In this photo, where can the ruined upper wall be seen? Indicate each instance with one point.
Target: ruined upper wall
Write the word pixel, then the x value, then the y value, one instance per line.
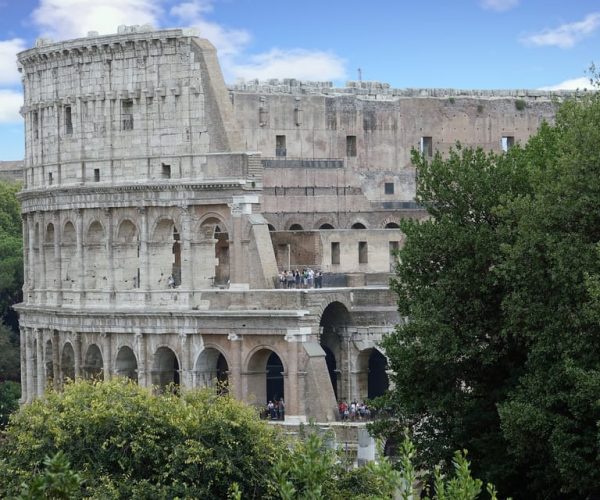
pixel 119 107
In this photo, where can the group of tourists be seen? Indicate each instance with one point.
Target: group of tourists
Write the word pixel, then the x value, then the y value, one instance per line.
pixel 354 411
pixel 275 410
pixel 307 278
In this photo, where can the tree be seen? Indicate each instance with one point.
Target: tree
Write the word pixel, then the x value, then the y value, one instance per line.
pixel 451 363
pixel 125 442
pixel 10 392
pixel 501 354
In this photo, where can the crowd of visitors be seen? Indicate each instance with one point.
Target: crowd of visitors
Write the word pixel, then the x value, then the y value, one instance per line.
pixel 275 410
pixel 307 278
pixel 354 411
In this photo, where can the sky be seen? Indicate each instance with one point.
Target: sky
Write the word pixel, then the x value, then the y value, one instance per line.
pixel 462 44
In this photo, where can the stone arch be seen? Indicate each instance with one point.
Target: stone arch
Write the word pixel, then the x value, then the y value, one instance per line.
pixel 126 363
pixel 265 375
pixel 67 363
pixel 334 320
pixel 212 254
pixel 392 225
pixel 165 254
pixel 295 227
pixel 68 251
pixel 165 368
pixel 326 226
pixel 372 375
pixel 271 227
pixel 211 368
pixel 92 363
pixel 95 257
pixel 127 254
pixel 52 280
pixel 358 225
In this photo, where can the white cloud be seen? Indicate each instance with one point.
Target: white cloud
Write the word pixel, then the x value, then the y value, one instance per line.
pixel 10 104
pixel 571 84
pixel 63 19
pixel 566 35
pixel 297 63
pixel 499 5
pixel 8 60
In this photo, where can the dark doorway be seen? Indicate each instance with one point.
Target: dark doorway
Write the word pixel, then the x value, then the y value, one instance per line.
pixel 274 378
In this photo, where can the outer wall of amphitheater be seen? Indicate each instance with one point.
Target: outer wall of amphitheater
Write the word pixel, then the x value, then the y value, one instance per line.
pixel 159 207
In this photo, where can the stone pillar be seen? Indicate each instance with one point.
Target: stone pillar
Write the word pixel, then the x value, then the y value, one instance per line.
pixel 56 370
pixel 109 223
pixel 79 251
pixel 30 257
pixel 106 355
pixel 236 274
pixel 41 255
pixel 144 257
pixel 140 339
pixel 31 390
pixel 58 257
pixel 291 380
pixel 23 350
pixel 235 369
pixel 187 280
pixel 77 351
pixel 185 372
pixel 41 372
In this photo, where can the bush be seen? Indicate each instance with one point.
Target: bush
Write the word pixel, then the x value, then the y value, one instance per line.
pixel 10 392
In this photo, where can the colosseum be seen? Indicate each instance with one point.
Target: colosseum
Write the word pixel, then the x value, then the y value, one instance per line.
pixel 160 205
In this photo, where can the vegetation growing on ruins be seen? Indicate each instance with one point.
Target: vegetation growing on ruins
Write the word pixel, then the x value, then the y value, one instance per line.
pixel 501 354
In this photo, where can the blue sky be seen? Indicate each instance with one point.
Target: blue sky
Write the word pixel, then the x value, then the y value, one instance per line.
pixel 436 43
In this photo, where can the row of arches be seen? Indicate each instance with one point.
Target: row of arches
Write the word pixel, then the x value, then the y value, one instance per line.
pixel 67 260
pixel 327 226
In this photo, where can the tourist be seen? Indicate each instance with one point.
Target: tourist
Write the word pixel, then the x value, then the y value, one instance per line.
pixel 297 278
pixel 171 281
pixel 281 409
pixel 290 279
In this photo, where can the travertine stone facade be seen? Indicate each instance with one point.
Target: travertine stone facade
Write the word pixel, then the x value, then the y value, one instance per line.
pixel 159 207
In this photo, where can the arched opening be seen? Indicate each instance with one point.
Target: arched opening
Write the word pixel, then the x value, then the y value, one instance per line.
pixel 266 377
pixel 165 370
pixel 96 258
pixel 67 363
pixel 49 363
pixel 67 255
pixel 392 225
pixel 126 364
pixel 271 227
pixel 334 320
pixel 358 225
pixel 52 280
pixel 127 254
pixel 214 259
pixel 92 364
pixel 296 227
pixel 165 255
pixel 372 376
pixel 211 369
pixel 326 226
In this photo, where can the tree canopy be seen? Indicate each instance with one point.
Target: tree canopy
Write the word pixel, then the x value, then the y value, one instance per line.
pixel 501 354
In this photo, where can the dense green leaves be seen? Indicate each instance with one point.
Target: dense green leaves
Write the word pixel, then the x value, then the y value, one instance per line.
pixel 501 354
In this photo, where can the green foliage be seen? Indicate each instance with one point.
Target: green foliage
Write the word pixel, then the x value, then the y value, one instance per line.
pixel 10 392
pixel 57 481
pixel 502 284
pixel 480 108
pixel 127 443
pixel 520 104
pixel 451 100
pixel 9 354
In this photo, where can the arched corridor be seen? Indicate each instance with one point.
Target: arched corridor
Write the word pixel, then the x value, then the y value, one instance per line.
pixel 372 376
pixel 211 369
pixel 126 364
pixel 165 370
pixel 67 363
pixel 334 321
pixel 92 364
pixel 265 376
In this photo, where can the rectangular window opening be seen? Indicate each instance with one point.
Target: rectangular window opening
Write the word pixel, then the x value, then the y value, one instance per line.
pixel 350 145
pixel 68 121
pixel 127 114
pixel 166 171
pixel 96 175
pixel 280 149
pixel 427 146
pixel 389 188
pixel 335 252
pixel 363 252
pixel 507 142
pixel 394 247
pixel 50 178
pixel 36 123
